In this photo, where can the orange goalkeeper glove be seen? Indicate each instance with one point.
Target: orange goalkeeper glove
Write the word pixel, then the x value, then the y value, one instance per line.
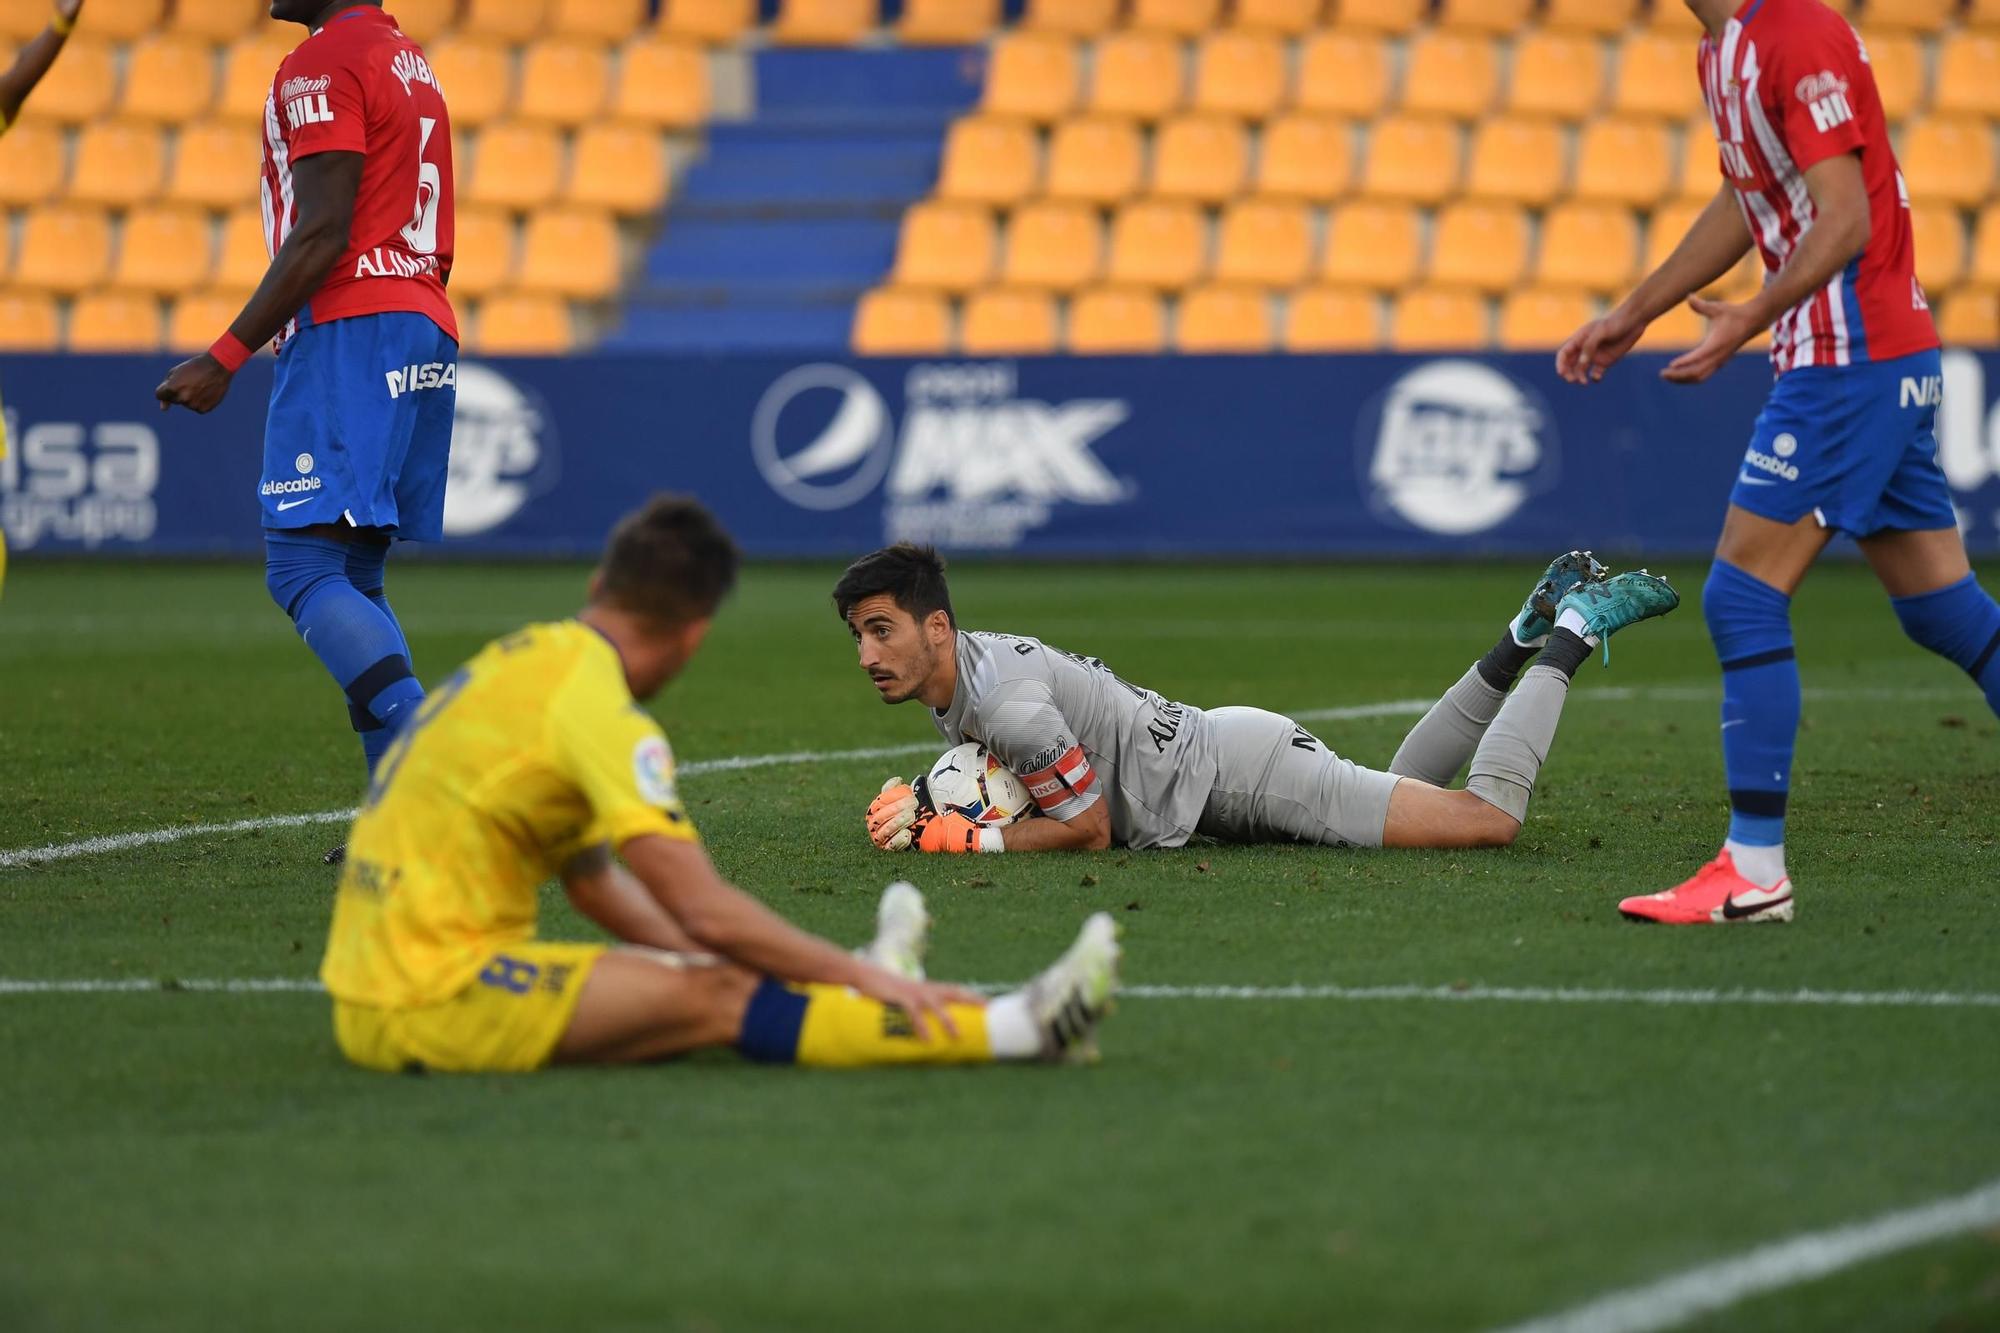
pixel 952 833
pixel 892 815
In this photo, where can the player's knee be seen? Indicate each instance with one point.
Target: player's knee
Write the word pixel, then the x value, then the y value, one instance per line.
pixel 295 567
pixel 718 994
pixel 1489 825
pixel 1744 613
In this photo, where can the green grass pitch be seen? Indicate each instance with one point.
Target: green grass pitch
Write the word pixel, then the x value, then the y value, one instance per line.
pixel 200 1161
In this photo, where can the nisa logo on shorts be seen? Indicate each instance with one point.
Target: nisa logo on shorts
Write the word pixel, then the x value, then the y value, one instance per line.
pixel 417 378
pixel 1922 391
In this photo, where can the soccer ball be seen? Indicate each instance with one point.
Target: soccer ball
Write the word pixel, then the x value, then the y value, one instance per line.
pixel 969 781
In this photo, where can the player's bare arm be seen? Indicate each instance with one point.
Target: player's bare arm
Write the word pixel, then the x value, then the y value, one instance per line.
pixel 35 60
pixel 326 185
pixel 1839 231
pixel 1713 245
pixel 609 894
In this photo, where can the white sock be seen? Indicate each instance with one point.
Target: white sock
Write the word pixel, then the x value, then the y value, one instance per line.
pixel 1571 619
pixel 1762 866
pixel 1010 1028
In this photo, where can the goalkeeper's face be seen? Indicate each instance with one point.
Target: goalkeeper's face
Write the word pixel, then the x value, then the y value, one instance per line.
pixel 900 655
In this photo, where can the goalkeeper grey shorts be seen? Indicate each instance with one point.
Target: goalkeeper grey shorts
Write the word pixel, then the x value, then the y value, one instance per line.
pixel 1277 782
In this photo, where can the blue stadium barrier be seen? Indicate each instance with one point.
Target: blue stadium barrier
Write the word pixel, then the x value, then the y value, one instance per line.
pixel 1093 457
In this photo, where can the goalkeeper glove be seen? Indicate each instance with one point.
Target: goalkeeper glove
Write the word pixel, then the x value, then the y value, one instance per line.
pixel 953 833
pixel 891 816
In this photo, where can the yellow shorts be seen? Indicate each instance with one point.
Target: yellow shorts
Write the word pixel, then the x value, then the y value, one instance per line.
pixel 508 1020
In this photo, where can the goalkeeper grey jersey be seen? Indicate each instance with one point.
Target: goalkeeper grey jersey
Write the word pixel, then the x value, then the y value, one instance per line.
pixel 1076 733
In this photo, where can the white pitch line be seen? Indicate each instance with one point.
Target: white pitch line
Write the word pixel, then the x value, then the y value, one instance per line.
pixel 1804 1258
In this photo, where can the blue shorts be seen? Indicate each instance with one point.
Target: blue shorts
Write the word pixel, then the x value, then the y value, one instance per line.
pixel 359 429
pixel 1854 446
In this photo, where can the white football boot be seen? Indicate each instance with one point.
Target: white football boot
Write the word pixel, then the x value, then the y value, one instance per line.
pixel 1072 996
pixel 902 932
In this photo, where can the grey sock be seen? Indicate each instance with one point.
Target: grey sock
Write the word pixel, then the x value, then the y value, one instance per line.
pixel 1438 746
pixel 1517 744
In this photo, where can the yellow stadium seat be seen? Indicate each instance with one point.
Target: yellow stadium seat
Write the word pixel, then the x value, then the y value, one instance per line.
pixel 663 82
pixel 218 20
pixel 1293 18
pixel 1700 174
pixel 216 164
pixel 1897 59
pixel 570 252
pixel 1655 76
pixel 1431 319
pixel 1240 74
pixel 1390 16
pixel 198 318
pixel 31 165
pixel 1677 19
pixel 1116 321
pixel 1982 14
pixel 118 163
pixel 1451 74
pixel 1007 321
pixel 1332 319
pixel 1626 161
pixel 1970 318
pixel 1499 17
pixel 991 160
pixel 1374 245
pixel 1516 158
pixel 1183 18
pixel 170 79
pixel 1156 243
pixel 1138 74
pixel 1909 15
pixel 947 22
pixel 250 67
pixel 244 255
pixel 1200 157
pixel 516 324
pixel 1265 243
pixel 120 20
pixel 423 21
pixel 22 19
pixel 483 246
pixel 1674 331
pixel 1479 245
pixel 115 322
pixel 595 20
pixel 1056 245
pixel 618 166
pixel 1306 157
pixel 480 74
pixel 563 82
pixel 1219 319
pixel 516 166
pixel 64 248
pixel 1939 234
pixel 1095 158
pixel 709 22
pixel 1592 246
pixel 1985 270
pixel 1412 158
pixel 893 322
pixel 163 250
pixel 1599 17
pixel 1666 227
pixel 1033 75
pixel 944 245
pixel 1556 74
pixel 1539 318
pixel 1948 160
pixel 28 322
pixel 1968 74
pixel 1078 18
pixel 823 22
pixel 1345 73
pixel 504 20
pixel 79 87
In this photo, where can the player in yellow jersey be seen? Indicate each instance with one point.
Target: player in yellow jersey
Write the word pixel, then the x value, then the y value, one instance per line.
pixel 534 761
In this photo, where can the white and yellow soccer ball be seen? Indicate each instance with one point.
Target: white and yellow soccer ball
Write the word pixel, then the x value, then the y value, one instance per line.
pixel 969 780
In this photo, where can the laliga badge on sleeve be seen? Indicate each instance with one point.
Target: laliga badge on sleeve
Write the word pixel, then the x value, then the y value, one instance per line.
pixel 653 771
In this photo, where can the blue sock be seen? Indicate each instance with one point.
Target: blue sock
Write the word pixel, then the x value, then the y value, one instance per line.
pixel 361 647
pixel 1960 623
pixel 367 569
pixel 1750 623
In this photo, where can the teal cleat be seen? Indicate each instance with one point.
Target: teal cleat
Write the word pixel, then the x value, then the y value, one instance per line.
pixel 1623 599
pixel 1538 613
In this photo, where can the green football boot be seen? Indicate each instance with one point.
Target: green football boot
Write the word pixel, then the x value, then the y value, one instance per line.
pixel 1623 599
pixel 1538 613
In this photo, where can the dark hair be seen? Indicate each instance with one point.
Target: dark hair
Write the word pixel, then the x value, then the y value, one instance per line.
pixel 669 560
pixel 913 575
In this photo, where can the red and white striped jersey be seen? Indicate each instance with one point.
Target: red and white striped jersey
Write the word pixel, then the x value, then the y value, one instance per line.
pixel 1788 86
pixel 358 85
